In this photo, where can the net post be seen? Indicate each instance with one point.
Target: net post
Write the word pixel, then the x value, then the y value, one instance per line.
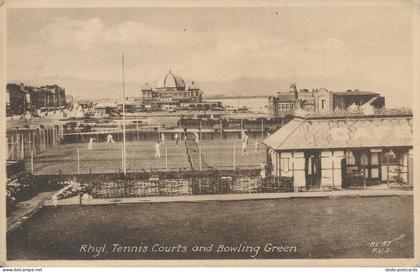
pixel 199 156
pixel 221 130
pixel 166 159
pixel 262 129
pixel 78 161
pixel 234 157
pixel 32 162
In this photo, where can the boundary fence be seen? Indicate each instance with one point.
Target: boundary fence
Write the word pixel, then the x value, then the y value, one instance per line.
pixel 23 143
pixel 153 134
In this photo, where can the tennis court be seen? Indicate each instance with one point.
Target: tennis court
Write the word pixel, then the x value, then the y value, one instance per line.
pixel 107 158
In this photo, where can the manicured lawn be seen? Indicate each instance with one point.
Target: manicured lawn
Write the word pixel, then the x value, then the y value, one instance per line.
pixel 318 227
pixel 140 155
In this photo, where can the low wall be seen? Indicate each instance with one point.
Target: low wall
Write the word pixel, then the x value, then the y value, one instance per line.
pixel 175 183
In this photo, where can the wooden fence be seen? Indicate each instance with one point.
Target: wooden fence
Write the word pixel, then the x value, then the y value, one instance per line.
pixel 23 143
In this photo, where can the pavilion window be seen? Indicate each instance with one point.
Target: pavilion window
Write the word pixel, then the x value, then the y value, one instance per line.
pixel 350 158
pixel 391 156
pixel 285 164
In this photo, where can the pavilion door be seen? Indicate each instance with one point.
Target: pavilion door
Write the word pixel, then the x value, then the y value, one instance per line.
pixel 370 164
pixel 375 172
pixel 313 169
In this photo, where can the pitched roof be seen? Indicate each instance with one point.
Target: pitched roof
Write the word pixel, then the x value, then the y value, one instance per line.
pixel 383 131
pixel 355 93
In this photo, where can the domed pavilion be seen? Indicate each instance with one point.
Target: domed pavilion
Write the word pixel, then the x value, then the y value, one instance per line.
pixel 170 89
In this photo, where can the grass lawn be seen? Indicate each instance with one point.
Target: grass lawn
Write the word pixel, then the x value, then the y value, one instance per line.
pixel 140 155
pixel 317 227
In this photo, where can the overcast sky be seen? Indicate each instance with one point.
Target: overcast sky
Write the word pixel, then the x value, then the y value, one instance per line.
pixel 217 44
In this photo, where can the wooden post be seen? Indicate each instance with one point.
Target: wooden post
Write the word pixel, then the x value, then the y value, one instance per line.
pixel 42 139
pixel 166 159
pixel 333 174
pixel 29 141
pixel 34 141
pixel 221 130
pixel 38 148
pixel 47 138
pixel 53 135
pixel 7 147
pixel 32 162
pixel 16 147
pixel 364 176
pixel 78 161
pixel 122 158
pixel 12 148
pixel 201 135
pixel 22 146
pixel 234 158
pixel 199 157
pixel 293 169
pixel 262 128
pixel 279 156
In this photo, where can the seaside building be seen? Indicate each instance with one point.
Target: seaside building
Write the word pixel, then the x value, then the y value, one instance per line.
pixel 16 101
pixel 170 90
pixel 105 109
pixel 282 104
pixel 341 150
pixel 320 101
pixel 21 98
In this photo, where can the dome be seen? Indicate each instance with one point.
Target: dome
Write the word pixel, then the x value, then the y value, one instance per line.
pixel 146 87
pixel 171 81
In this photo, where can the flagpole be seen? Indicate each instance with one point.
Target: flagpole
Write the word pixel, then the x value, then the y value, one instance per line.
pixel 124 149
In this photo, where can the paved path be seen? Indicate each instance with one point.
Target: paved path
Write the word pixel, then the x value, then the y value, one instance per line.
pixel 234 197
pixel 26 209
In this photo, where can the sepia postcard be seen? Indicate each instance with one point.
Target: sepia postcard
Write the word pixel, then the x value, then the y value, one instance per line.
pixel 198 133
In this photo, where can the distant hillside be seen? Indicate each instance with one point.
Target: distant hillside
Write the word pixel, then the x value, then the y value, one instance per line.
pixel 243 86
pixel 86 88
pixel 247 86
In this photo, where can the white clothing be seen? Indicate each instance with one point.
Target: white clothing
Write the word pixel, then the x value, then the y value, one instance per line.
pixel 262 173
pixel 109 139
pixel 244 146
pixel 90 144
pixel 196 138
pixel 157 150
